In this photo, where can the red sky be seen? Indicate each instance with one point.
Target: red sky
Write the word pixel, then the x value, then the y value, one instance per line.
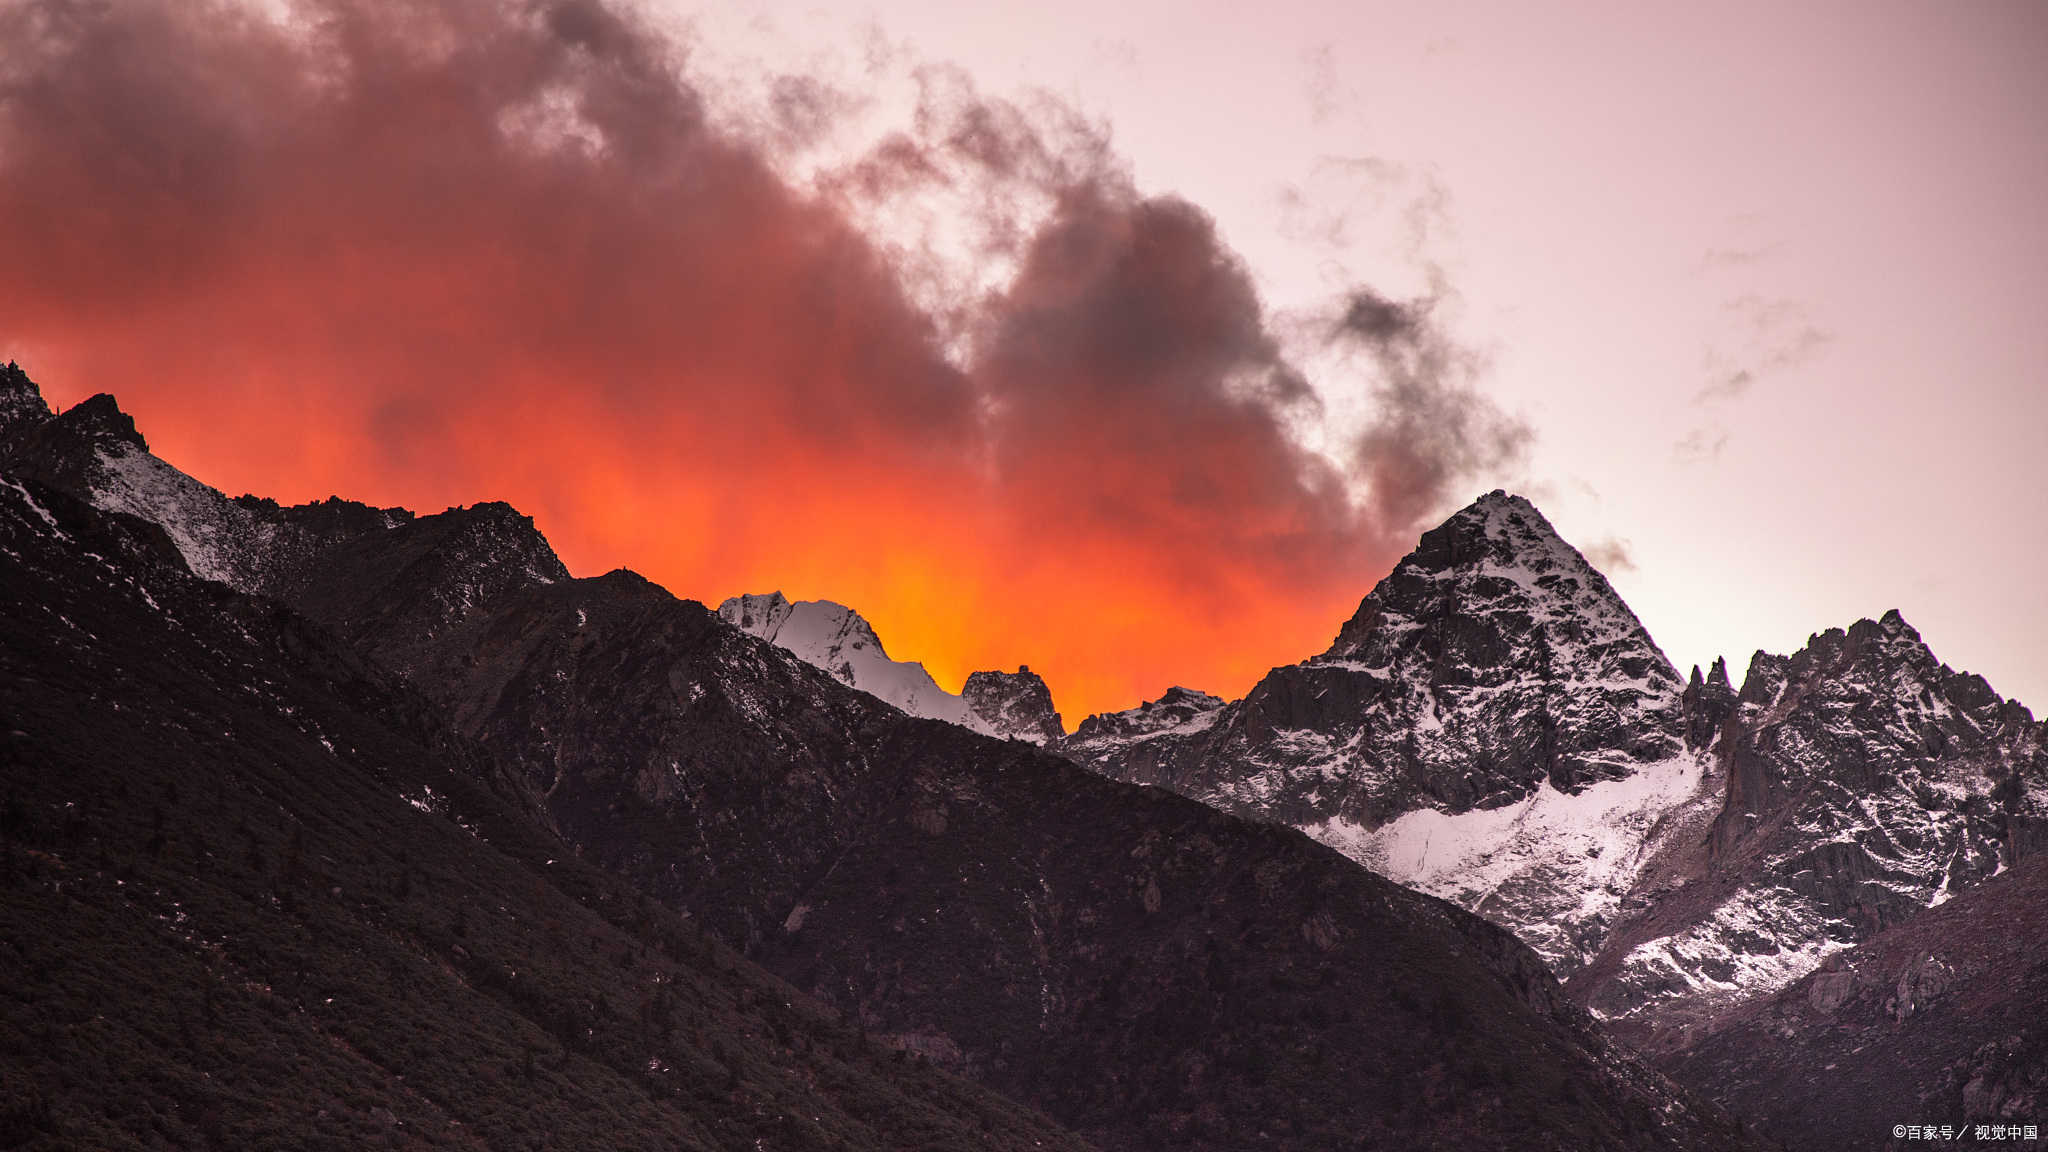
pixel 438 253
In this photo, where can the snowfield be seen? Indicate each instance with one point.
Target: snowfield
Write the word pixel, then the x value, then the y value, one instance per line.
pixel 1555 865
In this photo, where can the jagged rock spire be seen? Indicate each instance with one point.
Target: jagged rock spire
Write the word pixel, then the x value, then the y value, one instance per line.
pixel 1016 704
pixel 1706 704
pixel 21 402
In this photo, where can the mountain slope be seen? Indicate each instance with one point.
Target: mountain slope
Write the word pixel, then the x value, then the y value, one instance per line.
pixel 1940 1020
pixel 252 895
pixel 1860 781
pixel 1009 915
pixel 1493 726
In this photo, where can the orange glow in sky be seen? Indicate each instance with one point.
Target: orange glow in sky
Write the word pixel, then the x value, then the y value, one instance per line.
pixel 438 253
pixel 1769 277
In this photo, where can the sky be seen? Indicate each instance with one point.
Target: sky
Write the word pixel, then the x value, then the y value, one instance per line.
pixel 1134 342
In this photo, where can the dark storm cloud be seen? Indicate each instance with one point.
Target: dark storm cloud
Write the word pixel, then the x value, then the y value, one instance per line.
pixel 1433 430
pixel 468 249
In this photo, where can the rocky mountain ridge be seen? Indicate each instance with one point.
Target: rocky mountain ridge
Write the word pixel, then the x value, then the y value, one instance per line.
pixel 1013 705
pixel 1857 783
pixel 1494 727
pixel 1179 711
pixel 254 894
pixel 343 556
pixel 1073 920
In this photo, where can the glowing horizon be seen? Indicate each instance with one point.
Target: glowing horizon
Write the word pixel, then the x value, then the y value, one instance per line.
pixel 997 376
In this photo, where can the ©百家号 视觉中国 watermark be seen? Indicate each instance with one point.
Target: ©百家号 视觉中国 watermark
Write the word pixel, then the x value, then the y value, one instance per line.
pixel 1966 1132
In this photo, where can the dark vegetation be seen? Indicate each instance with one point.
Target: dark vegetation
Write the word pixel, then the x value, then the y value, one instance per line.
pixel 252 898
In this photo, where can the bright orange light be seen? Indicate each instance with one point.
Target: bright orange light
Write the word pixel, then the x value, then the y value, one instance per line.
pixel 339 266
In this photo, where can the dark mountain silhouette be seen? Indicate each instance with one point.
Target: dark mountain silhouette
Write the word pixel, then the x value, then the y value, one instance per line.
pixel 254 895
pixel 1145 970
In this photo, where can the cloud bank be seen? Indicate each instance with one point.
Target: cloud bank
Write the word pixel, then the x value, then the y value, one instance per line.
pixel 439 252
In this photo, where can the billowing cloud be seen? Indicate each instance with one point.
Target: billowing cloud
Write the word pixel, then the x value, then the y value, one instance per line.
pixel 437 252
pixel 1433 428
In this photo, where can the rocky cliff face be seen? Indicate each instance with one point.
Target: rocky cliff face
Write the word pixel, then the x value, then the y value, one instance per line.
pixel 1493 726
pixel 1015 704
pixel 1859 782
pixel 1706 704
pixel 1940 1020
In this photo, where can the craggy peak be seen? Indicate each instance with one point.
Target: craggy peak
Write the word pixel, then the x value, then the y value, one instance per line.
pixel 741 576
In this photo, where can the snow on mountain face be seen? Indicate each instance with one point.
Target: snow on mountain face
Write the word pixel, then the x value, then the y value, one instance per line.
pixel 1554 867
pixel 94 452
pixel 1493 726
pixel 1015 704
pixel 219 539
pixel 837 639
pixel 1861 781
pixel 316 556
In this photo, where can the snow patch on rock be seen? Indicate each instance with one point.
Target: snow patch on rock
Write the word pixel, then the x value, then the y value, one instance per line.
pixel 218 538
pixel 1555 865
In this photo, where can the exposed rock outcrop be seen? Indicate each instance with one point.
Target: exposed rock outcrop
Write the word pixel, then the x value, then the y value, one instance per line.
pixel 1015 704
pixel 1941 1019
pixel 1860 781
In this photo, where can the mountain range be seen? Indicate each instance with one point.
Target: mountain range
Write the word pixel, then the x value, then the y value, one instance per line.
pixel 1173 928
pixel 255 894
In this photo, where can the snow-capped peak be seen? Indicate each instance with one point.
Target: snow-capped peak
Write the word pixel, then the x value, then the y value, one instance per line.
pixel 1493 726
pixel 837 639
pixel 1498 555
pixel 756 614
